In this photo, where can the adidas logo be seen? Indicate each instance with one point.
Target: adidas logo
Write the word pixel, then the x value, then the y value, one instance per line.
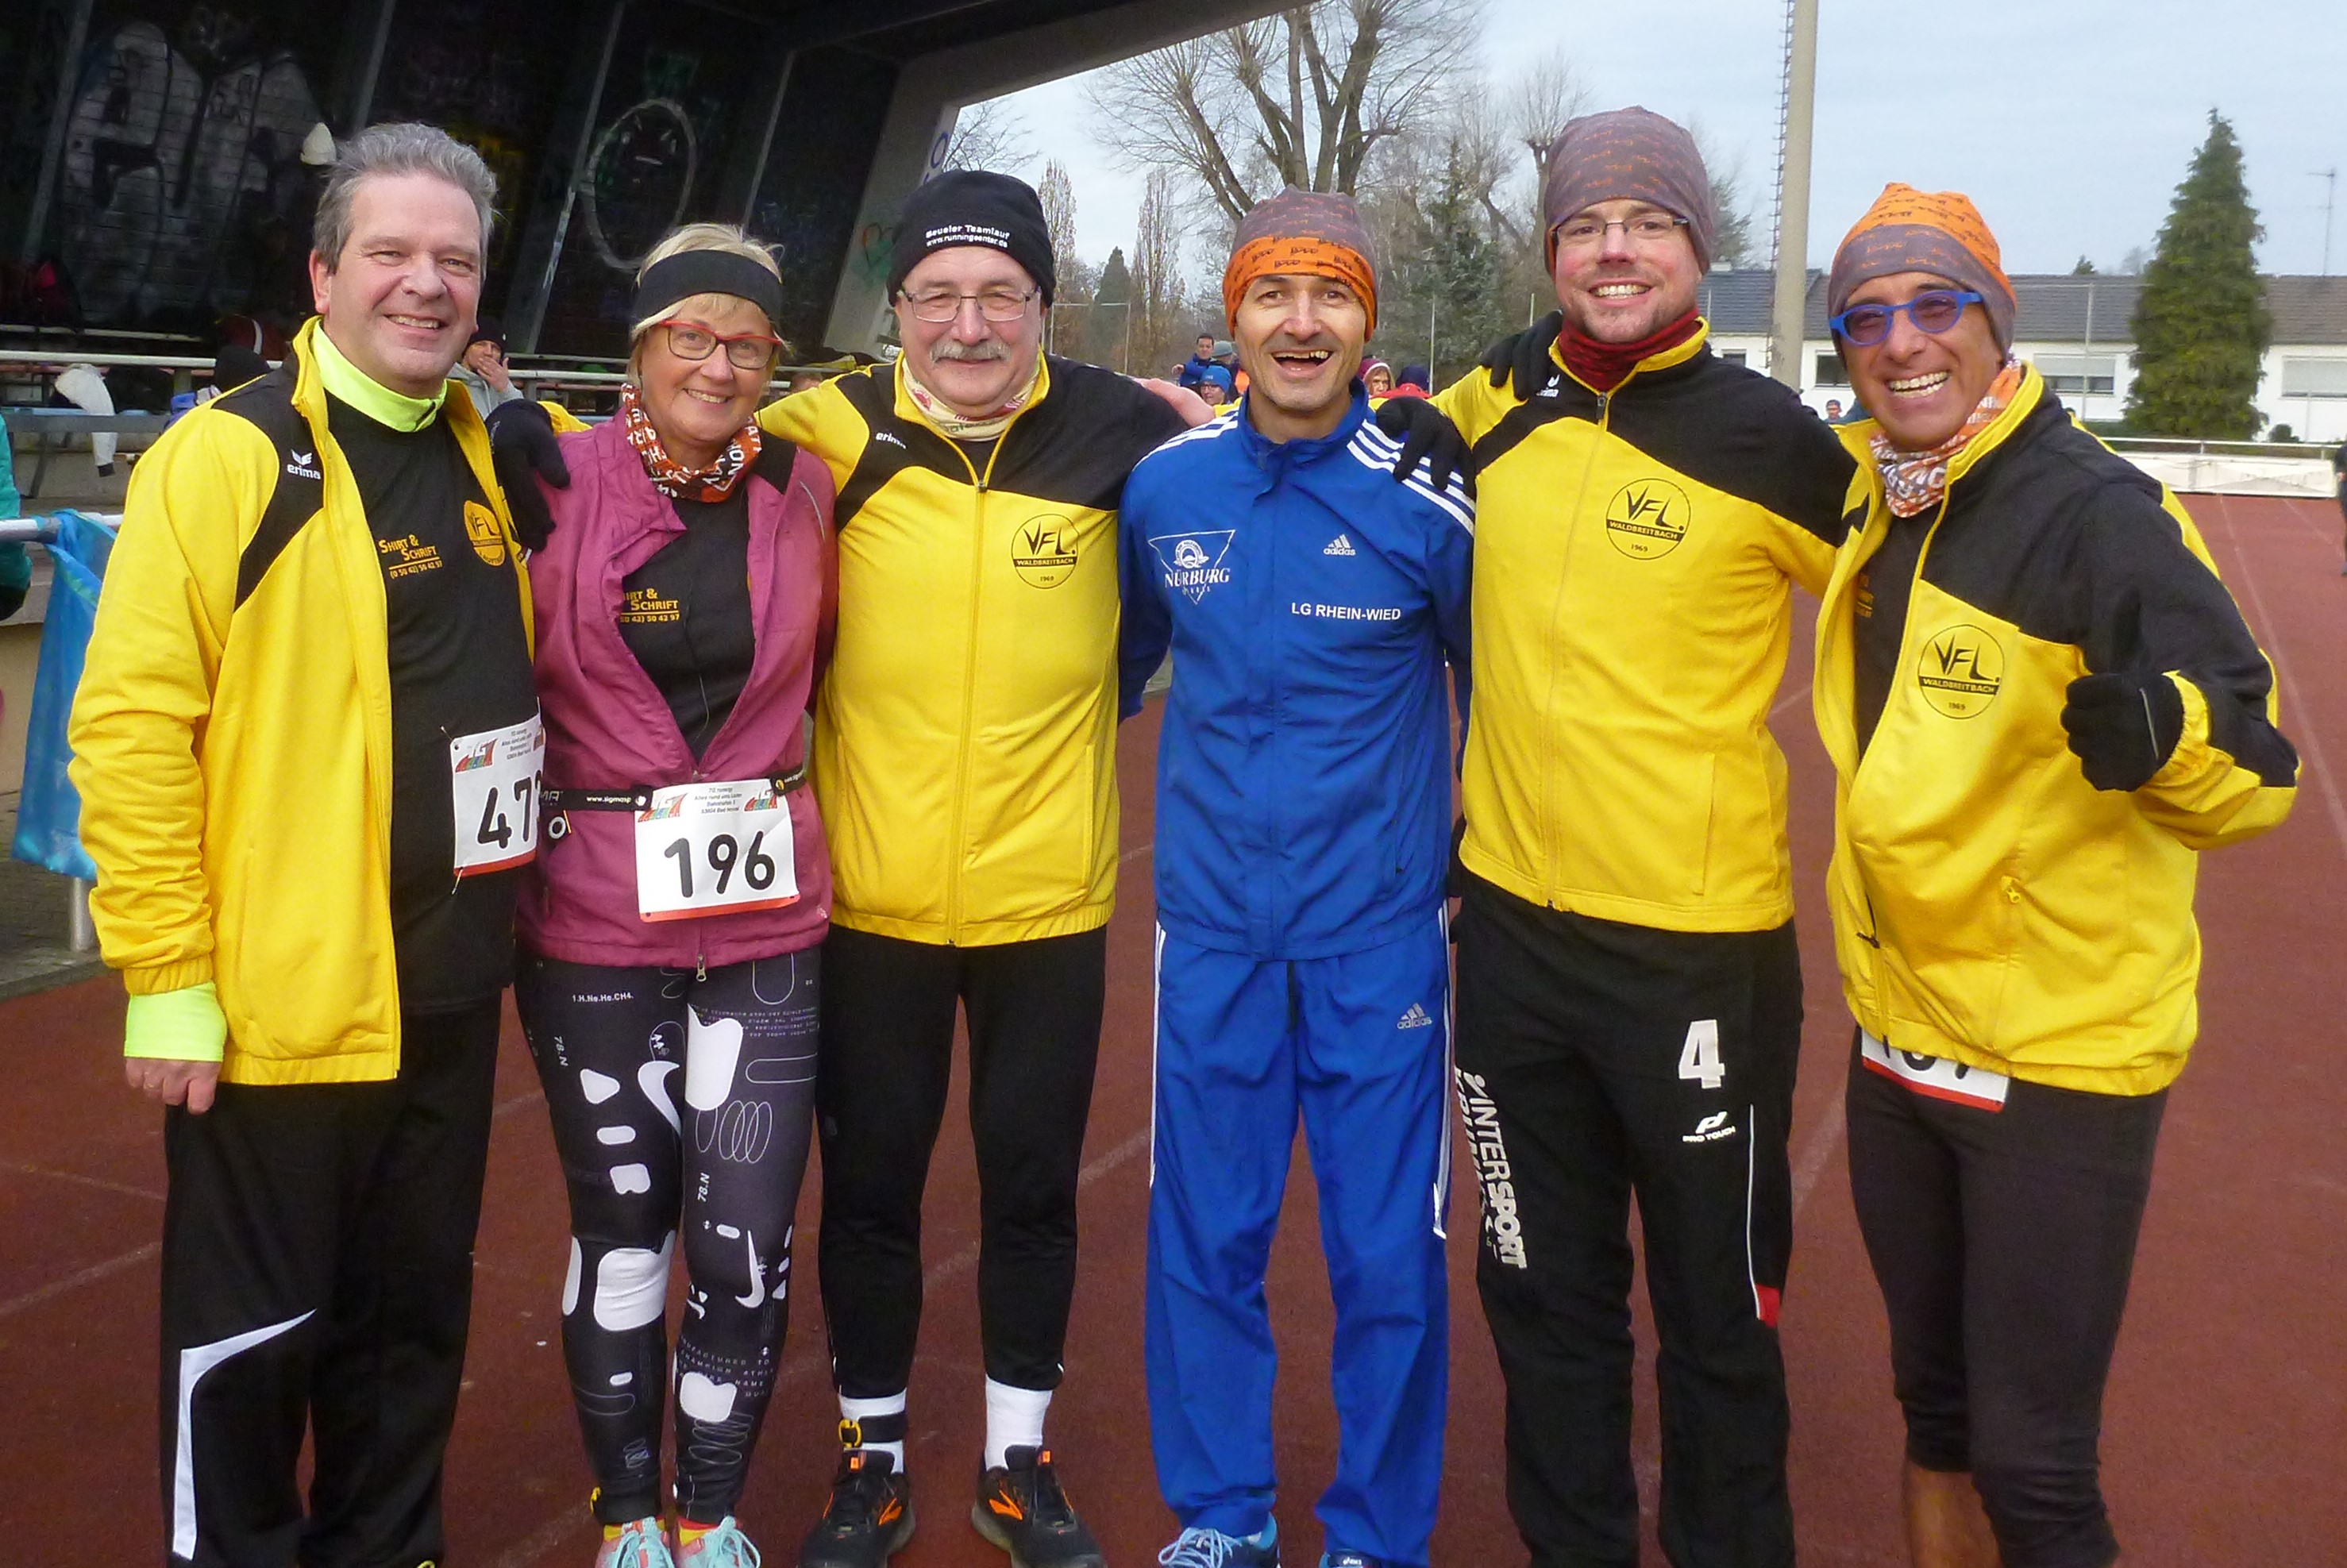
pixel 1416 1017
pixel 1340 546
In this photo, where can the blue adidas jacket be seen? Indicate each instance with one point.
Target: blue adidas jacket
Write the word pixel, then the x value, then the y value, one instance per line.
pixel 1304 770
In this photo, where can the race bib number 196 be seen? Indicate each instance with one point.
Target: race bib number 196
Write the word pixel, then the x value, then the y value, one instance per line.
pixel 1935 1075
pixel 714 848
pixel 493 779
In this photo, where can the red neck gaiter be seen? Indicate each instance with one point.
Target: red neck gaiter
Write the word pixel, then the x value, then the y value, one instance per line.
pixel 1607 365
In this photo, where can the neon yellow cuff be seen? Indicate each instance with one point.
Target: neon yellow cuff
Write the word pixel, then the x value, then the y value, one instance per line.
pixel 185 1025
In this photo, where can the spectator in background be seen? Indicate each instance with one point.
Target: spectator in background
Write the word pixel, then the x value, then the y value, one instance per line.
pixel 1414 383
pixel 83 386
pixel 1833 410
pixel 1378 379
pixel 482 372
pixel 1215 387
pixel 1193 373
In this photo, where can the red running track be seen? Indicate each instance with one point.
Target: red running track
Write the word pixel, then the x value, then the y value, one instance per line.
pixel 2228 1411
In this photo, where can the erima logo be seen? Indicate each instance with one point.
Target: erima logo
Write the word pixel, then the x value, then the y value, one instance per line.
pixel 1414 1018
pixel 893 439
pixel 1710 1130
pixel 304 466
pixel 1340 546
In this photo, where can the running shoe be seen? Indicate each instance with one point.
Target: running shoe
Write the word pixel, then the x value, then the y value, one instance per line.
pixel 868 1519
pixel 723 1547
pixel 1021 1509
pixel 1213 1549
pixel 637 1545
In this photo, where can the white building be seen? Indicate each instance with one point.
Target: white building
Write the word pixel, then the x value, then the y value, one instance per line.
pixel 2075 331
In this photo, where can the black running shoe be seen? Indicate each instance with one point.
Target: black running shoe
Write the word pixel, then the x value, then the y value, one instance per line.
pixel 868 1519
pixel 1021 1509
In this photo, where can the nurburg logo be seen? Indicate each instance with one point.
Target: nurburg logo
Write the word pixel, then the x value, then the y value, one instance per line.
pixel 1960 671
pixel 1646 519
pixel 1043 549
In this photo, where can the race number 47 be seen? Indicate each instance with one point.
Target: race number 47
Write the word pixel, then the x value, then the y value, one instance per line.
pixel 1699 1057
pixel 493 787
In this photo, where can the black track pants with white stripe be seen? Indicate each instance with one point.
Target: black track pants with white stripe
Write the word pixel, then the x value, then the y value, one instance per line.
pixel 318 1273
pixel 1596 1060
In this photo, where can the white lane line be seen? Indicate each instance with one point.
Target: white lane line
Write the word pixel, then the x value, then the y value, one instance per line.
pixel 573 1520
pixel 1824 1139
pixel 2301 725
pixel 1135 853
pixel 534 1097
pixel 1789 699
pixel 75 1281
pixel 100 1183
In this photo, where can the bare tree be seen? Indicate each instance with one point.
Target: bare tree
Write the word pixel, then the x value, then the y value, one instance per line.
pixel 1157 298
pixel 1304 97
pixel 1732 243
pixel 1547 97
pixel 990 134
pixel 1059 198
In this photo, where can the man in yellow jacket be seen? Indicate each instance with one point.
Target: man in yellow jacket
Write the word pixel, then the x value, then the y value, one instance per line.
pixel 1629 994
pixel 306 743
pixel 2041 705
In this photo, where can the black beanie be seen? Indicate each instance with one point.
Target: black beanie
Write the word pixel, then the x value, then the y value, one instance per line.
pixel 972 207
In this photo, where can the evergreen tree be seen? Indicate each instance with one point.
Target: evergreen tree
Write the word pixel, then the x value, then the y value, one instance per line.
pixel 2200 323
pixel 1106 332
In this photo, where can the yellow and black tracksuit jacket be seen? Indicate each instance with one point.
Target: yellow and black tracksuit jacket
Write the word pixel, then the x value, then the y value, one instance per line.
pixel 1634 553
pixel 232 734
pixel 965 743
pixel 1990 905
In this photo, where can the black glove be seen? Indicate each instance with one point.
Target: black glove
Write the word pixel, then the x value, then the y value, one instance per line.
pixel 1524 358
pixel 523 449
pixel 2123 727
pixel 1426 434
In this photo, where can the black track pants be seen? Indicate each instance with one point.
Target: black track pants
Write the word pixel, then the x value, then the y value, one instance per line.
pixel 1034 1014
pixel 318 1272
pixel 1598 1060
pixel 2003 1242
pixel 680 1105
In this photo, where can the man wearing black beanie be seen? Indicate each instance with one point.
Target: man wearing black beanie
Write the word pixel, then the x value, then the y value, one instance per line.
pixel 966 764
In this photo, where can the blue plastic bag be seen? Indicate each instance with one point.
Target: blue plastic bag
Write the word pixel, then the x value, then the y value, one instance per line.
pixel 48 813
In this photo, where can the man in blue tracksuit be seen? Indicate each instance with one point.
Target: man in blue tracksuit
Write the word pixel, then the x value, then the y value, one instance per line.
pixel 1303 829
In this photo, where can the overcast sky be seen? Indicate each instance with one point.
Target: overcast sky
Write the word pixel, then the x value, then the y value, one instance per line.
pixel 2069 121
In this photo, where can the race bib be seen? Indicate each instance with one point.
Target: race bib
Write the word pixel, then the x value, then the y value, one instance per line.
pixel 1936 1075
pixel 714 848
pixel 493 782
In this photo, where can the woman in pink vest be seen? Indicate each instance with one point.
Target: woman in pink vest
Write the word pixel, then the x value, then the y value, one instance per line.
pixel 671 929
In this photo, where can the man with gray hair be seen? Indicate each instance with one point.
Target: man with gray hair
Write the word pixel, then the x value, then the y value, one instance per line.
pixel 307 745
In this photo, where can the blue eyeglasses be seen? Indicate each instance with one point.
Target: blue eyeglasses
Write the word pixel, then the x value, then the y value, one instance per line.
pixel 1934 311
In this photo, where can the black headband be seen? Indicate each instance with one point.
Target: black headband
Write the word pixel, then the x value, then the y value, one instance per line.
pixel 690 273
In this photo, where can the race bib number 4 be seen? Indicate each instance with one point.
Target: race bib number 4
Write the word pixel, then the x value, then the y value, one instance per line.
pixel 493 779
pixel 714 848
pixel 1936 1075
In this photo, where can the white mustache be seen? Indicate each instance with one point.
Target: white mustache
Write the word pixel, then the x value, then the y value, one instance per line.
pixel 977 353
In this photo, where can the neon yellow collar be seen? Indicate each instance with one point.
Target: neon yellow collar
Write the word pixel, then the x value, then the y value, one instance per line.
pixel 347 382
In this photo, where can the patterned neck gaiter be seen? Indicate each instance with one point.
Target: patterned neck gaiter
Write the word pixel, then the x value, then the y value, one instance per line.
pixel 956 427
pixel 1913 482
pixel 672 478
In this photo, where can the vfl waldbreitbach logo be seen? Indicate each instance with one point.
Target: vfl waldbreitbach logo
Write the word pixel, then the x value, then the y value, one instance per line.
pixel 1960 671
pixel 1646 519
pixel 1193 562
pixel 481 528
pixel 1043 549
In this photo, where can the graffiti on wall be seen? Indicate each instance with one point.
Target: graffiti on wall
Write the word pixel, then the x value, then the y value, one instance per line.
pixel 183 188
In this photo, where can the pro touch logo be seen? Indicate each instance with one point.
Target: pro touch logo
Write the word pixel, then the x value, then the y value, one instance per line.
pixel 1043 549
pixel 1960 671
pixel 1646 519
pixel 1193 562
pixel 1503 1229
pixel 1710 1130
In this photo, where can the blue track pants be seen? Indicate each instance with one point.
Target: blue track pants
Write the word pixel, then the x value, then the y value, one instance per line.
pixel 1360 1047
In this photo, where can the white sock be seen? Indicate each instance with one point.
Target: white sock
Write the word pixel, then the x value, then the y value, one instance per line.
pixel 867 1409
pixel 1014 1418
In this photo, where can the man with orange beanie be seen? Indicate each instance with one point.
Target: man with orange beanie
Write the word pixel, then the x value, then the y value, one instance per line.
pixel 1303 974
pixel 1629 985
pixel 2056 705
